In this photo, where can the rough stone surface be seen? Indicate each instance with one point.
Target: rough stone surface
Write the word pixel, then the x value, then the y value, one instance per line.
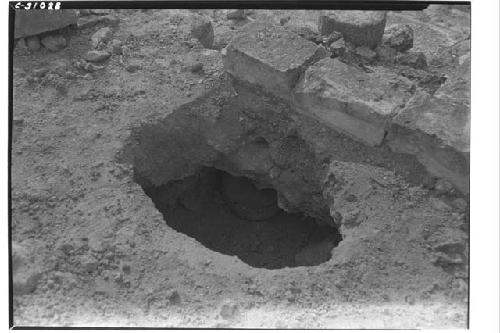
pixel 399 37
pixel 443 187
pixel 89 263
pixel 308 33
pixel 204 32
pixel 88 21
pixel 337 48
pixel 270 56
pixel 53 42
pixel 96 56
pixel 238 14
pixel 437 129
pixel 101 11
pixel 34 22
pixel 415 60
pixel 101 36
pixel 361 28
pixel 350 100
pixel 366 53
pixel 386 55
pixel 111 20
pixel 84 12
pixel 33 43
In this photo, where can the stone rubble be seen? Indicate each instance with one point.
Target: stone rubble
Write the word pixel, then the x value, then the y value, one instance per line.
pixel 399 37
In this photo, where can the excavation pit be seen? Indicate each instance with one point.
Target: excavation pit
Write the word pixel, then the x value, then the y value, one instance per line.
pixel 240 217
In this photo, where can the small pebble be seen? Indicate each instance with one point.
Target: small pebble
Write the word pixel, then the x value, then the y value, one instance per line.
pixel 196 67
pixel 238 14
pixel 284 20
pixel 53 42
pixel 133 67
pixel 40 72
pixel 174 298
pixel 96 56
pixel 228 310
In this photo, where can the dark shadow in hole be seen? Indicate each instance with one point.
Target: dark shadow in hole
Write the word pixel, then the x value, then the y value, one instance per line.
pixel 231 215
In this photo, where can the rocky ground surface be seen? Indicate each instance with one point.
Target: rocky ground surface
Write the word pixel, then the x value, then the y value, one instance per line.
pixel 91 249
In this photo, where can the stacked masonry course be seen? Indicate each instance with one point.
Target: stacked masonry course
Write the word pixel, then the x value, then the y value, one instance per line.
pixel 377 107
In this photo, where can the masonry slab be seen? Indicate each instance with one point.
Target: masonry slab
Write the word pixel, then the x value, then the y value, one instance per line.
pixel 270 56
pixel 350 100
pixel 436 128
pixel 34 22
pixel 360 28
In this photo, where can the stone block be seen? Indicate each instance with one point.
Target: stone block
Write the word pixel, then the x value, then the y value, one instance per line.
pixel 436 128
pixel 270 56
pixel 33 43
pixel 35 22
pixel 416 60
pixel 351 101
pixel 203 30
pixel 96 56
pixel 399 37
pixel 102 35
pixel 360 28
pixel 53 42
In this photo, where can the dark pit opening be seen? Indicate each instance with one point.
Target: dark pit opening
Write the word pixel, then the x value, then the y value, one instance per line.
pixel 238 216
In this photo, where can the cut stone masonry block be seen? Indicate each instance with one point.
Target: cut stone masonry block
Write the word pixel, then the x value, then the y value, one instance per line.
pixel 270 56
pixel 351 101
pixel 437 129
pixel 34 22
pixel 360 28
